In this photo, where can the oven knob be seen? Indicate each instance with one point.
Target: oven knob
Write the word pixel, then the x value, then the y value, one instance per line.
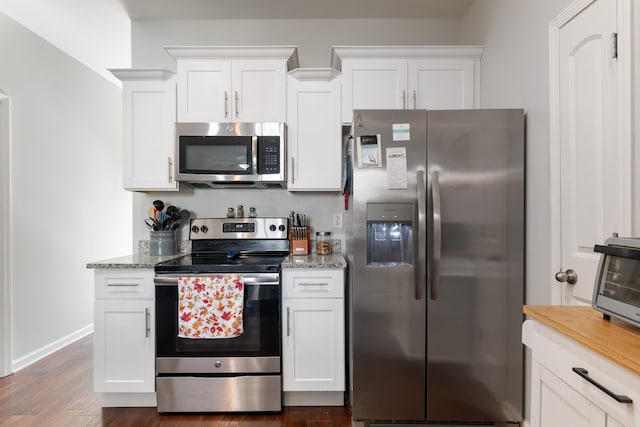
pixel 218 364
pixel 195 229
pixel 272 227
pixel 282 227
pixel 204 228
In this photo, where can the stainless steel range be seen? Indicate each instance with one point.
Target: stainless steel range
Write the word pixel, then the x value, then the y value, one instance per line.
pixel 197 370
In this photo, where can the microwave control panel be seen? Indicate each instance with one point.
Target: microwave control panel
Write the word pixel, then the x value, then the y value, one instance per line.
pixel 269 154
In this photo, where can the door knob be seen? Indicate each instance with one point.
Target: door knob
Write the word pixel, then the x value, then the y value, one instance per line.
pixel 570 276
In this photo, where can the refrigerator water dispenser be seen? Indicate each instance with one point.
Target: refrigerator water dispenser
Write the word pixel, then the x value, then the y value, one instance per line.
pixel 390 234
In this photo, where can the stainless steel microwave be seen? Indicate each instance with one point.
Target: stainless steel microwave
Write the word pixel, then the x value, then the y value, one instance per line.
pixel 617 287
pixel 231 155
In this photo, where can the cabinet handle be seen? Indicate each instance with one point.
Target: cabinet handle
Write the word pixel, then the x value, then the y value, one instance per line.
pixel 170 170
pixel 313 284
pixel 288 324
pixel 617 397
pixel 236 103
pixel 147 322
pixel 293 172
pixel 226 104
pixel 415 104
pixel 121 285
pixel 404 99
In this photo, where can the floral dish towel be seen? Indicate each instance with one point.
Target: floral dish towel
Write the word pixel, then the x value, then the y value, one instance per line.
pixel 210 307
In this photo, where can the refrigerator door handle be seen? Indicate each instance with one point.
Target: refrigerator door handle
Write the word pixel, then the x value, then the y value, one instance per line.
pixel 436 251
pixel 422 215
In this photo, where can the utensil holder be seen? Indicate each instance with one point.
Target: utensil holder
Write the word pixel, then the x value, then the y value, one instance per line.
pixel 162 243
pixel 300 238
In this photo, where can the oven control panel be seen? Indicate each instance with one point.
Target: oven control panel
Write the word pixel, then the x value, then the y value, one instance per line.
pixel 238 228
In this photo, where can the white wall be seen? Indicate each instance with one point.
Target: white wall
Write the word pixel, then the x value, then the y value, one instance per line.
pixel 95 32
pixel 515 73
pixel 314 37
pixel 67 203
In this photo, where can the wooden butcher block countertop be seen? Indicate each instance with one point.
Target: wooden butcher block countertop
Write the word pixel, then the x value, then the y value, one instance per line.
pixel 614 339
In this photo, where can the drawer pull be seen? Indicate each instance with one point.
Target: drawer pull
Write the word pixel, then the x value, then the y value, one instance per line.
pixel 314 284
pixel 147 322
pixel 122 285
pixel 617 397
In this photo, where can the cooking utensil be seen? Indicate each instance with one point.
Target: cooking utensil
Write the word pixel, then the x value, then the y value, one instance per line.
pixel 183 216
pixel 172 211
pixel 152 224
pixel 159 205
pixel 162 219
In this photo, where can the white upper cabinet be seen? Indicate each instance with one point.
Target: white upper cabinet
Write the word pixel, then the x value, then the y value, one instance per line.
pixel 314 131
pixel 149 115
pixel 232 84
pixel 408 77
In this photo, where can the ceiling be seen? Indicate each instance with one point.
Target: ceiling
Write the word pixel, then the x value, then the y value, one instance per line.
pixel 294 9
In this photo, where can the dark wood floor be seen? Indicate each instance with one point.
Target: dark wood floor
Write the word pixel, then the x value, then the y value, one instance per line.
pixel 58 391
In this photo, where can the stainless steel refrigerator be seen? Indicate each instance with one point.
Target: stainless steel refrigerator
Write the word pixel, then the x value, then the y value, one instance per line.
pixel 437 266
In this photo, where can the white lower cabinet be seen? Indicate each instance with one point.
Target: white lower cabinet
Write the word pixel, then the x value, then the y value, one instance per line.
pixel 560 397
pixel 313 355
pixel 124 337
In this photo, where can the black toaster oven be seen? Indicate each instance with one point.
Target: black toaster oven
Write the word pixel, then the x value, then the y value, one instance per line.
pixel 617 286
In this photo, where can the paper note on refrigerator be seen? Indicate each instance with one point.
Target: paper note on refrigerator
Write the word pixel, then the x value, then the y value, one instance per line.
pixel 396 168
pixel 401 132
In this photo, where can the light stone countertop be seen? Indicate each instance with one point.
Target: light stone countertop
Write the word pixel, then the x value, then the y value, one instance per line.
pixel 140 260
pixel 143 260
pixel 314 261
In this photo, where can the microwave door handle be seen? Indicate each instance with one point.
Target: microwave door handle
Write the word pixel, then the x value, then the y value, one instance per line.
pixel 436 251
pixel 254 154
pixel 420 278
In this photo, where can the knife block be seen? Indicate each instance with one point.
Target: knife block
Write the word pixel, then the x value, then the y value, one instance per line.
pixel 299 238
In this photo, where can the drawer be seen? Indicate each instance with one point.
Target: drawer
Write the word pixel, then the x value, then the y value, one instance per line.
pixel 560 355
pixel 124 284
pixel 312 283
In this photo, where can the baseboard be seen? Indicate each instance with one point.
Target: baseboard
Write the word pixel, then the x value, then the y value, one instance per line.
pixel 48 349
pixel 128 400
pixel 314 398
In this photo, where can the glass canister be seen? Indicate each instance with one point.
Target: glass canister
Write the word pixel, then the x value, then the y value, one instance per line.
pixel 323 242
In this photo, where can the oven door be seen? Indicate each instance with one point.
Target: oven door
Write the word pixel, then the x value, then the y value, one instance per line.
pixel 261 321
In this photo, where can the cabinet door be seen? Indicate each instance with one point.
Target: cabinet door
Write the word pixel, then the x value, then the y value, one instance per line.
pixel 555 404
pixel 313 345
pixel 259 90
pixel 204 90
pixel 149 135
pixel 441 84
pixel 124 346
pixel 314 135
pixel 373 84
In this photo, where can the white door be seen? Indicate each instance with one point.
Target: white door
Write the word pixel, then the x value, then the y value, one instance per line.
pixel 204 91
pixel 124 346
pixel 5 241
pixel 373 84
pixel 441 84
pixel 259 90
pixel 313 345
pixel 315 135
pixel 590 176
pixel 555 404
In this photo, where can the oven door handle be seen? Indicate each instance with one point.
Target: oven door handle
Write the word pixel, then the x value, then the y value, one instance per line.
pixel 267 279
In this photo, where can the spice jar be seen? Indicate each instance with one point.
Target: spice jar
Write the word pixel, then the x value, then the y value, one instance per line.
pixel 323 242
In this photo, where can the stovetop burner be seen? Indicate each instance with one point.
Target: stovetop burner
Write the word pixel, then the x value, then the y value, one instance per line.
pixel 238 245
pixel 204 263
